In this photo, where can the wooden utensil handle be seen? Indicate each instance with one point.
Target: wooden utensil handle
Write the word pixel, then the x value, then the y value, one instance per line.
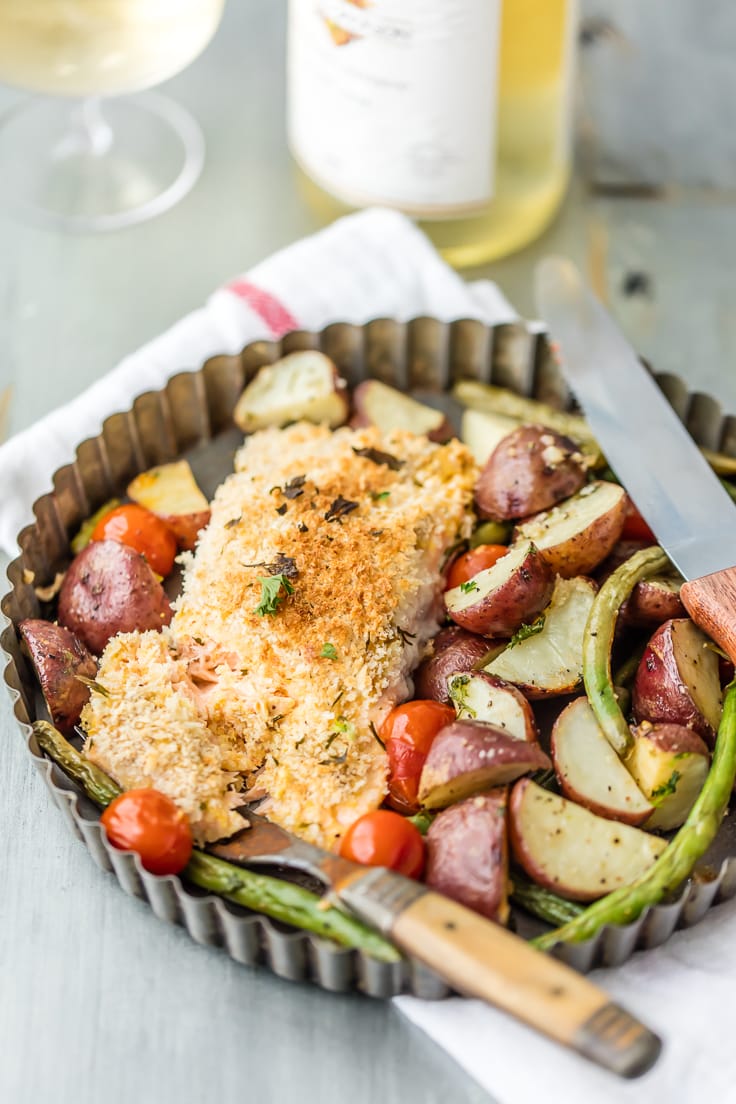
pixel 711 602
pixel 484 960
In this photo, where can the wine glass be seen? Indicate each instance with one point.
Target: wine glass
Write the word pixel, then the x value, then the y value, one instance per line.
pixel 74 157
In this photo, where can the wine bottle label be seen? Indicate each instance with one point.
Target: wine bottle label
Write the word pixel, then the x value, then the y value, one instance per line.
pixel 393 101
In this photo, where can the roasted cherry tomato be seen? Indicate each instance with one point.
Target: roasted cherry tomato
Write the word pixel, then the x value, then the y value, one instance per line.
pixel 134 525
pixel 635 527
pixel 470 563
pixel 407 734
pixel 383 838
pixel 149 822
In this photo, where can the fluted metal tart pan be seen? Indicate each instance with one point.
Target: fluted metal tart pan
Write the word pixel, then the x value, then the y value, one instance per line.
pixel 192 416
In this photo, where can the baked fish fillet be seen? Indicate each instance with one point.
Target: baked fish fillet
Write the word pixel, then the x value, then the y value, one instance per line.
pixel 284 696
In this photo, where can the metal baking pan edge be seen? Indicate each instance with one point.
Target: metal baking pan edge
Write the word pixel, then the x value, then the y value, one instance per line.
pixel 422 355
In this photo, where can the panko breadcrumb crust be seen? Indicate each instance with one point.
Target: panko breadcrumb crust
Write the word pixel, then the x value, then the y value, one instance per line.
pixel 288 703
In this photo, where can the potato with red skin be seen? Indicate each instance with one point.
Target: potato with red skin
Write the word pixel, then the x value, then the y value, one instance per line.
pixel 577 535
pixel 478 696
pixel 669 763
pixel 58 657
pixel 497 601
pixel 377 404
pixel 304 385
pixel 589 771
pixel 468 757
pixel 110 589
pixel 566 848
pixel 654 601
pixel 677 680
pixel 530 470
pixel 467 854
pixel 455 651
pixel 170 492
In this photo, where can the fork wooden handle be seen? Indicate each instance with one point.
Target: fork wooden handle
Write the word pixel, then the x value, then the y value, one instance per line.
pixel 711 602
pixel 482 959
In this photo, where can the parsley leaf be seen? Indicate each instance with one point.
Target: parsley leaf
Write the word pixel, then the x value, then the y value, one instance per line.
pixel 271 596
pixel 469 587
pixel 667 788
pixel 526 631
pixel 329 651
pixel 457 689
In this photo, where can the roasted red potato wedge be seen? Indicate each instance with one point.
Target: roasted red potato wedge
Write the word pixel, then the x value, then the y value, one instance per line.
pixel 670 764
pixel 572 851
pixel 577 535
pixel 58 658
pixel 482 432
pixel 549 660
pixel 530 470
pixel 377 404
pixel 495 602
pixel 170 491
pixel 677 680
pixel 467 854
pixel 454 650
pixel 654 601
pixel 589 770
pixel 478 696
pixel 304 385
pixel 468 757
pixel 110 589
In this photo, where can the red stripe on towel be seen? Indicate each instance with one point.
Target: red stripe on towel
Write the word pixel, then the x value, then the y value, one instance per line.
pixel 278 319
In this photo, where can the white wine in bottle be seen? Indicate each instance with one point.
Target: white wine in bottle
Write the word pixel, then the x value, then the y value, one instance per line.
pixel 455 111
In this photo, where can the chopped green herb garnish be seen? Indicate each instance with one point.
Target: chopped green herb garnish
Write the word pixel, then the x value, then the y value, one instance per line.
pixel 339 508
pixel 380 496
pixel 329 651
pixel 457 688
pixel 469 587
pixel 378 457
pixel 526 631
pixel 271 596
pixel 667 788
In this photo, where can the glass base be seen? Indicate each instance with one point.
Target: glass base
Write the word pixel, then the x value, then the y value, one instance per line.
pixel 92 166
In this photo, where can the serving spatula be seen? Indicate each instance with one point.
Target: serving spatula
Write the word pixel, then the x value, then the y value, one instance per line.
pixel 691 515
pixel 473 955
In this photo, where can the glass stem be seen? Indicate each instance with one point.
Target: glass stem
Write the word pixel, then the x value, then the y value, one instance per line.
pixel 88 134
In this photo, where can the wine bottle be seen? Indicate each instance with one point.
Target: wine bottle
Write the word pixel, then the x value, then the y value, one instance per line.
pixel 456 112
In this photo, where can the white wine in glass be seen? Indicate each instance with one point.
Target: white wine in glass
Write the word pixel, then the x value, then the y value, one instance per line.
pixel 78 161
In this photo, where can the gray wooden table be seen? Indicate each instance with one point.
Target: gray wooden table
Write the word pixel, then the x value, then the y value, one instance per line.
pixel 98 1000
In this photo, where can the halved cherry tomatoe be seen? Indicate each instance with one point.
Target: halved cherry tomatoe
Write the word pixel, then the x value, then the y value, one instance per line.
pixel 635 527
pixel 147 821
pixel 383 838
pixel 407 734
pixel 472 562
pixel 140 529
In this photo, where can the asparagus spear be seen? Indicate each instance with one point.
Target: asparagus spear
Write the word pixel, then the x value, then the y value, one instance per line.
pixel 279 899
pixel 678 859
pixel 542 902
pixel 599 638
pixel 499 400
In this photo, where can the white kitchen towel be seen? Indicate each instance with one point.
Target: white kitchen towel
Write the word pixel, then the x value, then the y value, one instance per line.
pixel 369 265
